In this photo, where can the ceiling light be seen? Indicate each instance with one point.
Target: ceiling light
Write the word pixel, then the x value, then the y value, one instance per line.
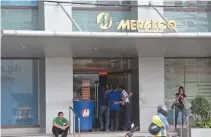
pixel 95 48
pixel 23 47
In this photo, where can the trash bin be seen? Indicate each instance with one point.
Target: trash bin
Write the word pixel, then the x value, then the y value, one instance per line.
pixel 85 111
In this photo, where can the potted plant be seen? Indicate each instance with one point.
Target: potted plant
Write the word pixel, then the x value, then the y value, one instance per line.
pixel 200 108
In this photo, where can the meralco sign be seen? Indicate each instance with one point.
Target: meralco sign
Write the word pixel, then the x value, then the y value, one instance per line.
pixel 105 22
pixel 146 25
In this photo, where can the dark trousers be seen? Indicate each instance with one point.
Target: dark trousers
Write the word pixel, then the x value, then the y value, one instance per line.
pixel 57 131
pixel 104 110
pixel 115 120
pixel 127 116
pixel 177 110
pixel 122 117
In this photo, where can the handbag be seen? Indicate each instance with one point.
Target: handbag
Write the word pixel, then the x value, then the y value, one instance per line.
pixel 154 129
pixel 177 105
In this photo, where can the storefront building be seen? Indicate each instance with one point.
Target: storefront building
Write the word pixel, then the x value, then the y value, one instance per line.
pixel 49 49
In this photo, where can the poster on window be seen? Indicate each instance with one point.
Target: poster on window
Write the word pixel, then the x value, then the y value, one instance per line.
pixel 85 83
pixel 85 93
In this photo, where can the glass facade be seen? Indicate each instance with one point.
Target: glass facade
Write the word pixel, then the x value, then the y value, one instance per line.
pixel 19 19
pixel 19 3
pixel 19 15
pixel 97 65
pixel 99 3
pixel 92 76
pixel 19 92
pixel 190 16
pixel 86 19
pixel 193 74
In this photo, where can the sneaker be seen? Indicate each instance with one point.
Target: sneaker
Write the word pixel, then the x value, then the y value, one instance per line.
pixel 101 129
pixel 107 130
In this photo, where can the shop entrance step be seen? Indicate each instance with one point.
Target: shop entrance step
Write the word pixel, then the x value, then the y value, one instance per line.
pixel 95 134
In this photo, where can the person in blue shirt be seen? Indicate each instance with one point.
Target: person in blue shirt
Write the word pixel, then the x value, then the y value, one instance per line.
pixel 114 96
pixel 104 109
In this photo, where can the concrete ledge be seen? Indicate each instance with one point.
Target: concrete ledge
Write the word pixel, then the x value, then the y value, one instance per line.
pixel 92 134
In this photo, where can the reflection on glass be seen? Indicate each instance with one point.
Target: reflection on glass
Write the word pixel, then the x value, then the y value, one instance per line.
pixel 120 80
pixel 19 99
pixel 193 74
pixel 190 16
pixel 77 85
pixel 97 65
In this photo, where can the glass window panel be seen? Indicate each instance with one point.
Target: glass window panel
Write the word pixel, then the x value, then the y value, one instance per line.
pixel 174 78
pixel 193 74
pixel 19 19
pixel 99 3
pixel 19 2
pixel 87 20
pixel 19 99
pixel 97 65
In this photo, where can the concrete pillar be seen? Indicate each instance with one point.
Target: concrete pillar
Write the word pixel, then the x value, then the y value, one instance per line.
pixel 135 89
pixel 151 88
pixel 59 87
pixel 56 91
pixel 53 18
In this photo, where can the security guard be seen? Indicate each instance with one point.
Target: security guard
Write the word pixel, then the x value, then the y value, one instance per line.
pixel 159 124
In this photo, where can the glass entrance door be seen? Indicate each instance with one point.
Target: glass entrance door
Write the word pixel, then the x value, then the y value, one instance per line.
pixel 93 82
pixel 118 79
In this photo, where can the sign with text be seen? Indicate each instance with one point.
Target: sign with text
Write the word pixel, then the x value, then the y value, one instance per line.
pixel 105 22
pixel 85 83
pixel 85 93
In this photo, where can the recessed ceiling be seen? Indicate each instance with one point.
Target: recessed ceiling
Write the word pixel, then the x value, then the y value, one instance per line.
pixel 99 47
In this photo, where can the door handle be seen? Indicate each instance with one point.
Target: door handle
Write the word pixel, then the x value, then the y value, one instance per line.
pixel 95 90
pixel 97 100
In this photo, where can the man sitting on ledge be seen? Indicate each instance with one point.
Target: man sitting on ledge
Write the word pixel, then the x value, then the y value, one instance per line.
pixel 60 125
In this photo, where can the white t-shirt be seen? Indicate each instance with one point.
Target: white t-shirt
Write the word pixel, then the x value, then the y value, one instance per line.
pixel 125 94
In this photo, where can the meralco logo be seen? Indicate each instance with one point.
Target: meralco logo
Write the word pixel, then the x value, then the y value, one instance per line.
pixel 105 22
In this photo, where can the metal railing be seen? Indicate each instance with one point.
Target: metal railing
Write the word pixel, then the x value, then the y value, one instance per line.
pixel 188 126
pixel 181 126
pixel 182 122
pixel 74 117
pixel 174 110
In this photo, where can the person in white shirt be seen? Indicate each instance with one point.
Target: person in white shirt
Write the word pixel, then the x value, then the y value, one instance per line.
pixel 125 101
pixel 125 94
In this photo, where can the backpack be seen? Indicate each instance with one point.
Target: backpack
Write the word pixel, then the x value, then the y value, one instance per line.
pixel 154 129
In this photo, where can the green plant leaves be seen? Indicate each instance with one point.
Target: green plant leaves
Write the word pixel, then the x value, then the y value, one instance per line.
pixel 204 123
pixel 201 107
